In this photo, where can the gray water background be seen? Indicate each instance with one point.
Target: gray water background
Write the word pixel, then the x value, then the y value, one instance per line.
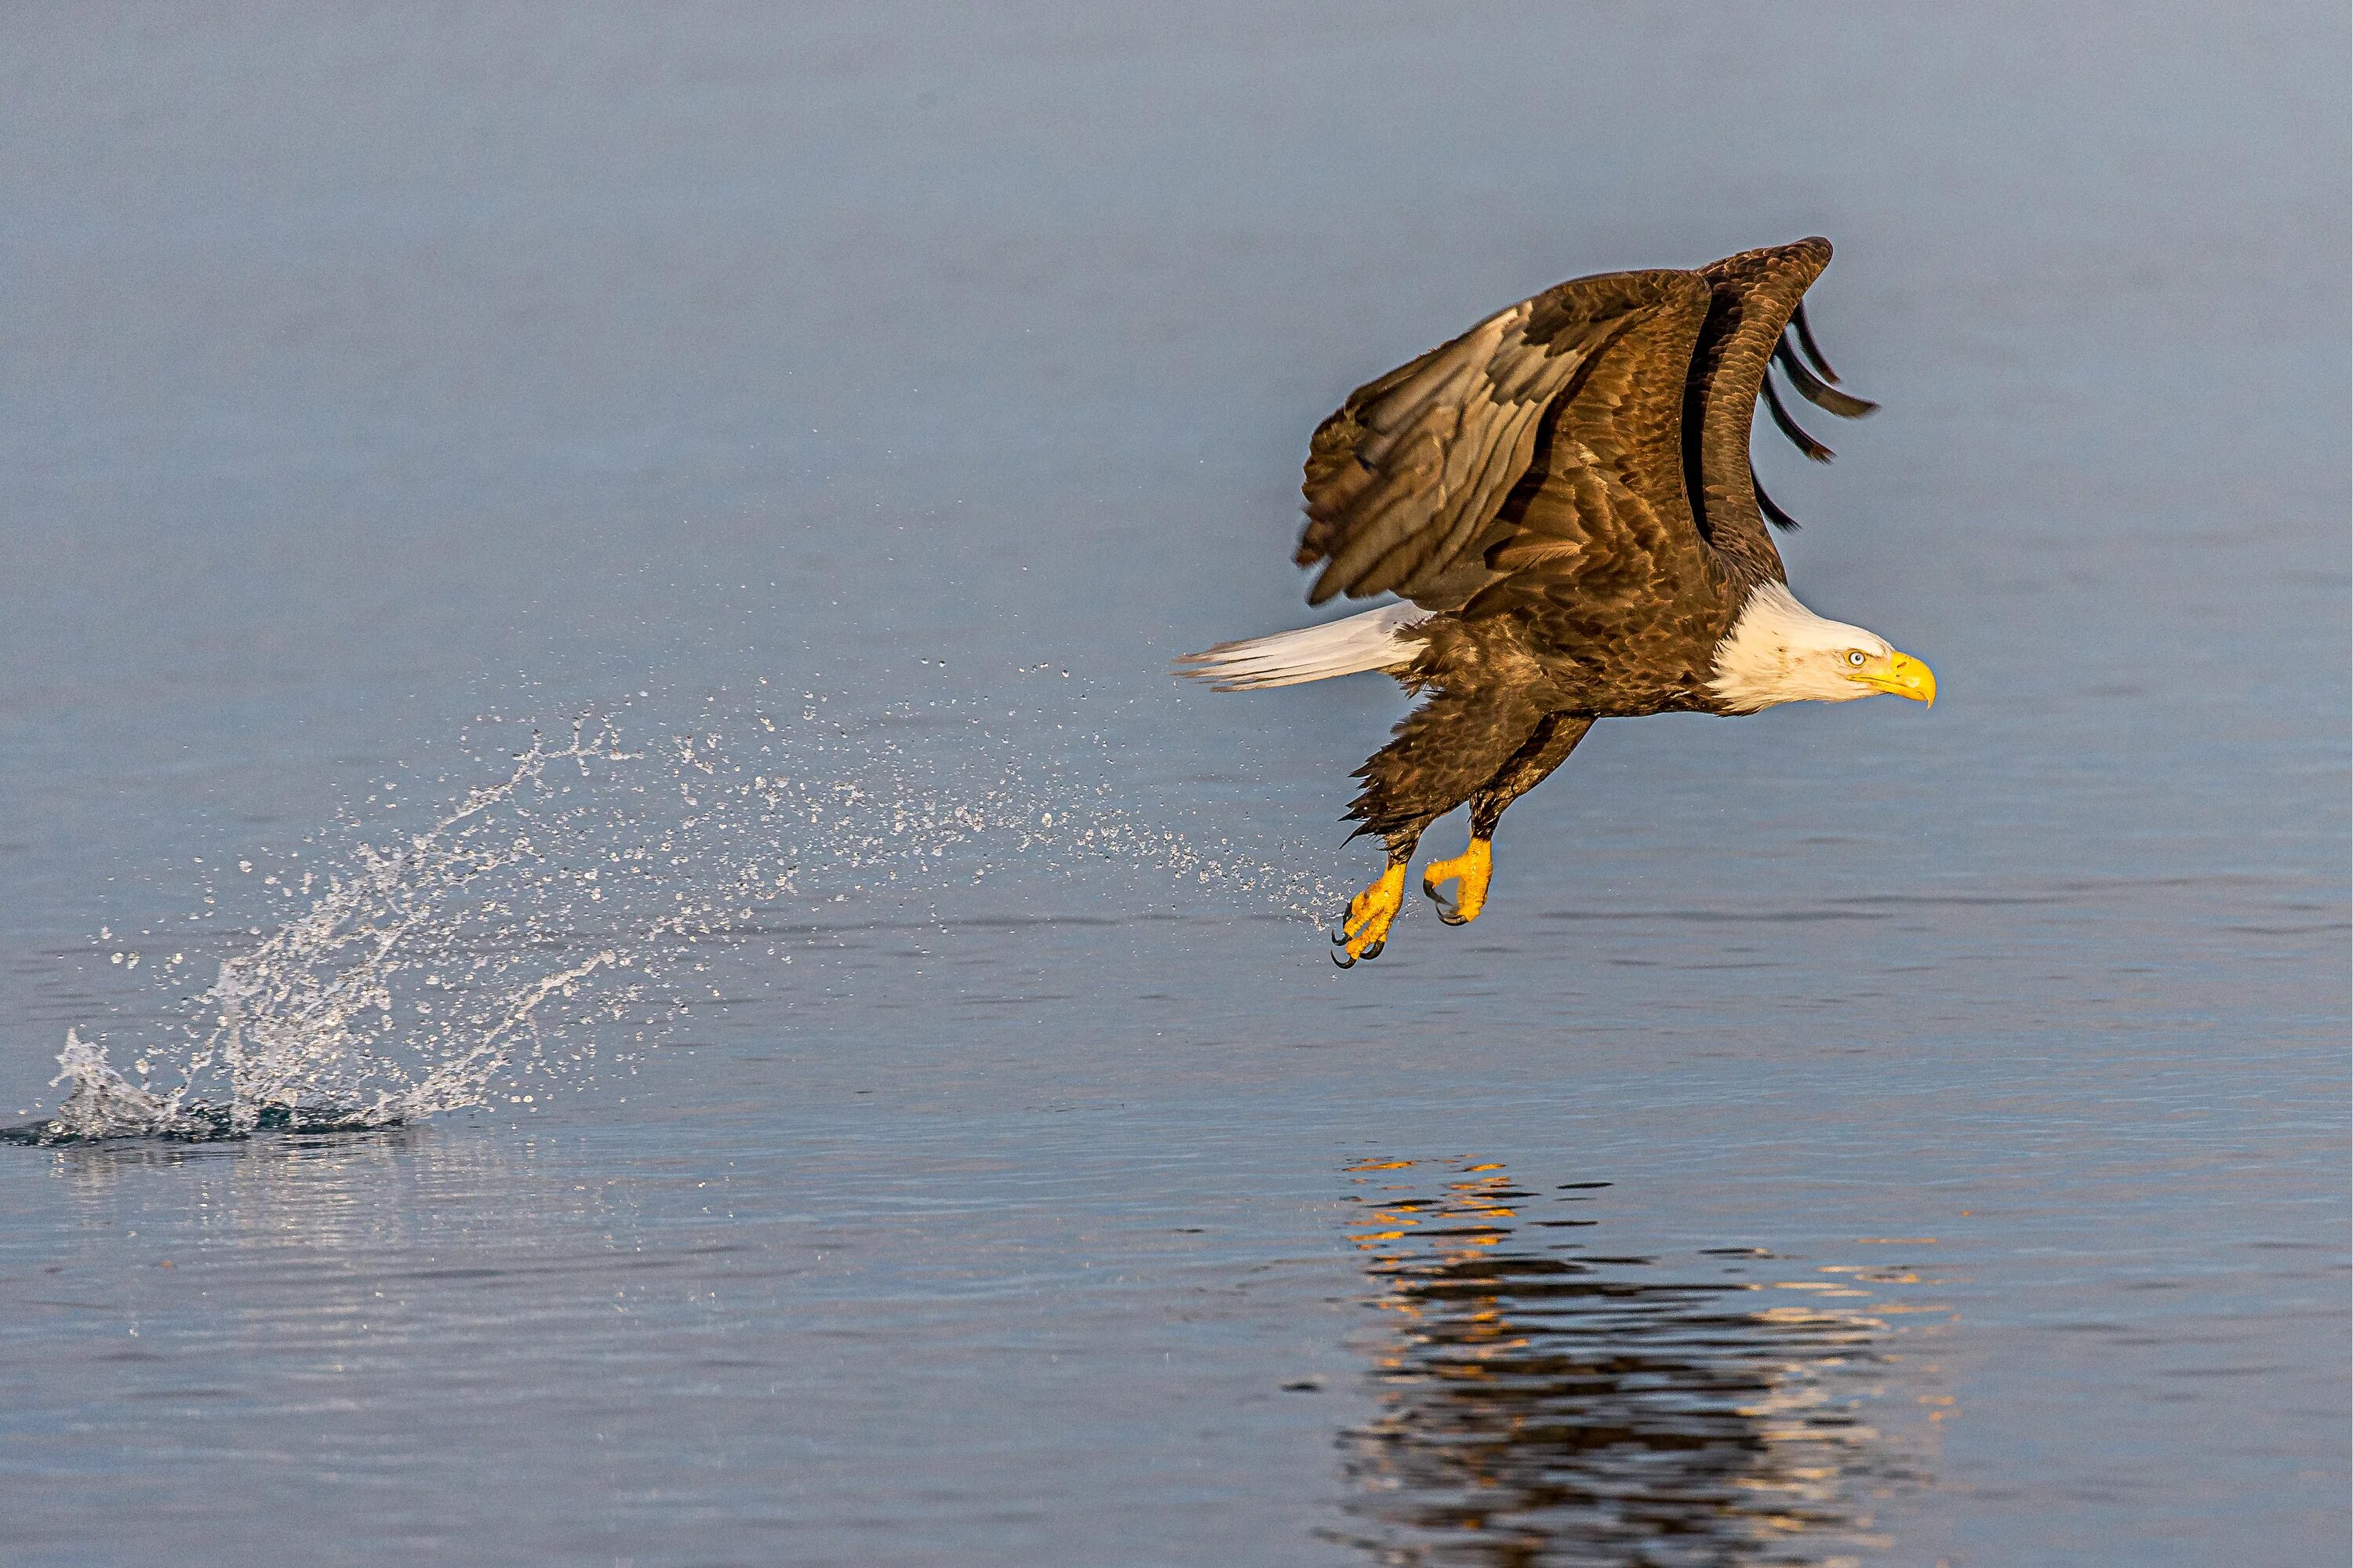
pixel 367 369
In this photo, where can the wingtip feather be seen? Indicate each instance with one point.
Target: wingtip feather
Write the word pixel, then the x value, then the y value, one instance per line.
pixel 1799 436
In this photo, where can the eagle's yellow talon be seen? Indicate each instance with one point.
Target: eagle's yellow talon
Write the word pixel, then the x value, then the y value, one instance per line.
pixel 1469 871
pixel 1366 930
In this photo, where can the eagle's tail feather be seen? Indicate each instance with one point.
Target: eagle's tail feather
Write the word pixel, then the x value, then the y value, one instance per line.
pixel 1377 640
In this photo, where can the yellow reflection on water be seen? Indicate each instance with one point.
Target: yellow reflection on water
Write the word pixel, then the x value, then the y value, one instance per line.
pixel 1541 1400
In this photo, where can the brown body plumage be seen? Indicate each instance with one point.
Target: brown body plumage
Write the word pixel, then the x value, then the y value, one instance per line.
pixel 1567 489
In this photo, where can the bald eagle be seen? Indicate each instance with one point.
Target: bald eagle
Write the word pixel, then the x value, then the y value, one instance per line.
pixel 1562 498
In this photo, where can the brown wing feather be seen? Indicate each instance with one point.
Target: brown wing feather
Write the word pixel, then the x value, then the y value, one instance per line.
pixel 1584 453
pixel 1405 482
pixel 1599 527
pixel 1753 295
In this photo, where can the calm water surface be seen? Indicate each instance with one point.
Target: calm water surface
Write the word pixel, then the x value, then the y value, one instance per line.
pixel 1862 1136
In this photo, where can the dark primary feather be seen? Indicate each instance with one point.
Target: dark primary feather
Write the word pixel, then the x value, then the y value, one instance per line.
pixel 1791 429
pixel 1773 514
pixel 1815 391
pixel 1806 341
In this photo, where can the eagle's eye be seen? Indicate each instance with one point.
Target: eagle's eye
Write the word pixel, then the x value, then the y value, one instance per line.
pixel 1854 657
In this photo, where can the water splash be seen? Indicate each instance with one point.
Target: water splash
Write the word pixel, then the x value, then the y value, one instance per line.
pixel 559 916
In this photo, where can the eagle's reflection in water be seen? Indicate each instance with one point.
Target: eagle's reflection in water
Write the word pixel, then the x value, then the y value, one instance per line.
pixel 1542 1404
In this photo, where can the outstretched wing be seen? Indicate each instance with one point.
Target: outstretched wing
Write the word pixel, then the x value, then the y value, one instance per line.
pixel 1427 482
pixel 1755 309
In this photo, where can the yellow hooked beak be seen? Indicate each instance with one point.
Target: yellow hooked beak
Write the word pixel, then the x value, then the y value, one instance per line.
pixel 1904 676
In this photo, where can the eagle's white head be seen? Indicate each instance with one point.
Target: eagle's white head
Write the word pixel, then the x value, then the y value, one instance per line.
pixel 1780 651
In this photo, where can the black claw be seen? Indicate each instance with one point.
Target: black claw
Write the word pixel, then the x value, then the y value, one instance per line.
pixel 1375 951
pixel 1342 960
pixel 1448 912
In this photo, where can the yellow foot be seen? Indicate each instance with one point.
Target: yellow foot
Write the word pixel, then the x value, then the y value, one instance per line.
pixel 1470 871
pixel 1367 929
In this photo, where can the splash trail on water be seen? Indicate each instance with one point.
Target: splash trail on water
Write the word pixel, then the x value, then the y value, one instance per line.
pixel 562 912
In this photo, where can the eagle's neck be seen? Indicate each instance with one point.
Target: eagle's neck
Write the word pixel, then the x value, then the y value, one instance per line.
pixel 1777 651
